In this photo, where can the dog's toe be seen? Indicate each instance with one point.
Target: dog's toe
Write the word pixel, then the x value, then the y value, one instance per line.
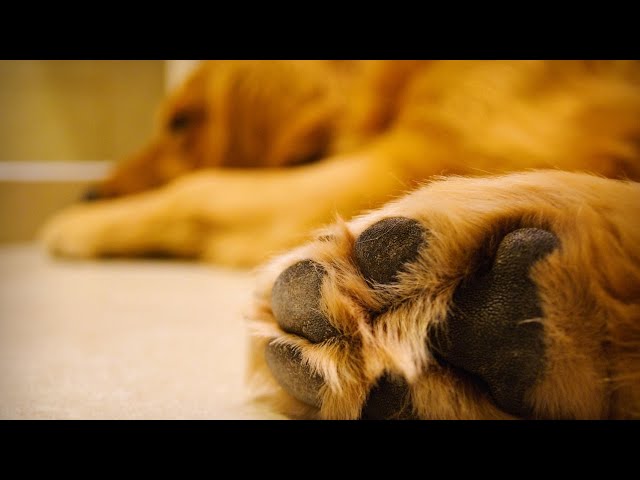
pixel 386 246
pixel 388 399
pixel 293 374
pixel 296 302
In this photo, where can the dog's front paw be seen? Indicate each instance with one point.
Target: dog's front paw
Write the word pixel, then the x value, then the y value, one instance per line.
pixel 437 308
pixel 147 224
pixel 74 232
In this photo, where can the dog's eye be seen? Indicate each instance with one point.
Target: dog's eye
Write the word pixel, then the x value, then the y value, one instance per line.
pixel 180 121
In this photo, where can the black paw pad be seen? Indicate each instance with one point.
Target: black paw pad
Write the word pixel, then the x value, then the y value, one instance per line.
pixel 488 332
pixel 293 375
pixel 389 399
pixel 383 248
pixel 295 301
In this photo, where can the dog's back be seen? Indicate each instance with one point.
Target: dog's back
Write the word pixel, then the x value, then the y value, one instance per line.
pixel 501 116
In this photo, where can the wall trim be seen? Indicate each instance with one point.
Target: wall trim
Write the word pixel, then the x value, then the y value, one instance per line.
pixel 54 171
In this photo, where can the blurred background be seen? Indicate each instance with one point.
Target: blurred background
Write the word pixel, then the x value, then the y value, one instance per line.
pixel 64 122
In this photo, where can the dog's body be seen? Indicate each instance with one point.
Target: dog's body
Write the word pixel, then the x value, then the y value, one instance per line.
pixel 253 155
pixel 358 135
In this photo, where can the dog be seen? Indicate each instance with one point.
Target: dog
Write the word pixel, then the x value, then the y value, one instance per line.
pixel 484 262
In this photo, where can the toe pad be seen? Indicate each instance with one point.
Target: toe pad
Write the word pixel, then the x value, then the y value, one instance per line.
pixel 296 302
pixel 386 246
pixel 293 374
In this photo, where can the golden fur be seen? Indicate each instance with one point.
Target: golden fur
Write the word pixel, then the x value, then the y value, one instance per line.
pixel 251 156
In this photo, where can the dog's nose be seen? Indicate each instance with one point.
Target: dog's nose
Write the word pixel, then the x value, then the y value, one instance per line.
pixel 91 194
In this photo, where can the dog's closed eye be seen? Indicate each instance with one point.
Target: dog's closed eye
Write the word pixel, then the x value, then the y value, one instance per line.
pixel 183 119
pixel 179 122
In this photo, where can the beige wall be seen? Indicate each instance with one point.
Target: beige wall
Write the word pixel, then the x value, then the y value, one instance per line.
pixel 60 110
pixel 77 110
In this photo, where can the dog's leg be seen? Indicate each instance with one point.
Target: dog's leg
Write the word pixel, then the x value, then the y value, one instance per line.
pixel 513 296
pixel 232 217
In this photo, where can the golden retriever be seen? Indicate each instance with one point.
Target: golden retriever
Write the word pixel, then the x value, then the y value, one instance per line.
pixel 508 289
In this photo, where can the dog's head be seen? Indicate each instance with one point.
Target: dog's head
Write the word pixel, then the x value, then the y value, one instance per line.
pixel 242 114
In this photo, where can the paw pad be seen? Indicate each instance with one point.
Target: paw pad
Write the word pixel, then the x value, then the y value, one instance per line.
pixel 296 302
pixel 388 399
pixel 293 374
pixel 386 246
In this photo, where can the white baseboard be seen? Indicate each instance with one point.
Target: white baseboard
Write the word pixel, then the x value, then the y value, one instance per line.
pixel 53 171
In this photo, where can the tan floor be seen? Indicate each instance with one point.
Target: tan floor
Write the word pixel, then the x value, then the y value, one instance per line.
pixel 121 339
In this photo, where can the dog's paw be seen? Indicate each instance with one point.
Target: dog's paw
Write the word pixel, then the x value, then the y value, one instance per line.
pixel 140 225
pixel 149 224
pixel 75 232
pixel 462 300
